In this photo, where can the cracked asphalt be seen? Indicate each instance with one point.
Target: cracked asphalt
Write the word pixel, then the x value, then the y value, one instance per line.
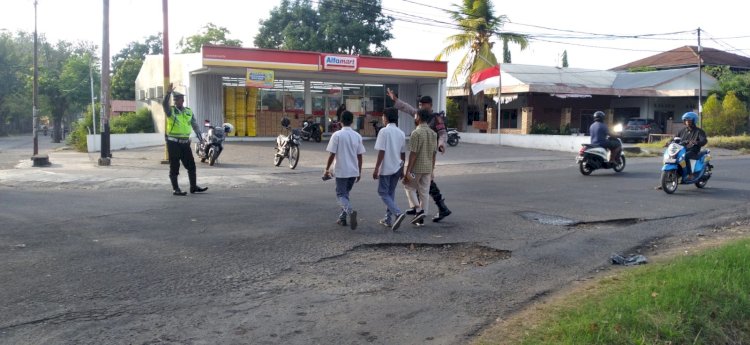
pixel 106 255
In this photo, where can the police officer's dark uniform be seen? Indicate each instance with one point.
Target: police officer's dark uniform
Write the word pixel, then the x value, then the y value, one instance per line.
pixel 180 120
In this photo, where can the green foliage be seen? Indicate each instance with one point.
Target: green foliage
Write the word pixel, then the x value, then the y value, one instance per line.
pixel 718 72
pixel 211 34
pixel 123 80
pixel 15 82
pixel 139 122
pixel 80 129
pixel 138 50
pixel 541 128
pixel 699 299
pixel 335 26
pixel 479 26
pixel 642 69
pixel 740 142
pixel 565 130
pixel 452 112
pixel 711 121
pixel 739 83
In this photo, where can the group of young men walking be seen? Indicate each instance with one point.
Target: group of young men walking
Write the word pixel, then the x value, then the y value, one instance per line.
pixel 429 137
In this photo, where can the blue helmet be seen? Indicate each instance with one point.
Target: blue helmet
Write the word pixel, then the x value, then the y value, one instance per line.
pixel 690 116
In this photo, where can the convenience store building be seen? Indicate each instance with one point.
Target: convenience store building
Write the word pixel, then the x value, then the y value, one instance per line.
pixel 255 88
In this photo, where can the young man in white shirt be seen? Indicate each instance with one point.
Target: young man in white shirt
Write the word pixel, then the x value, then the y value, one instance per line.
pixel 346 149
pixel 391 146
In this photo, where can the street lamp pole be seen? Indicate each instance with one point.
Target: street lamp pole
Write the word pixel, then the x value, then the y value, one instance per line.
pixel 104 159
pixel 35 116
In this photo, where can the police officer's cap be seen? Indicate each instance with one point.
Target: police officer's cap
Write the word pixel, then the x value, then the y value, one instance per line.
pixel 176 94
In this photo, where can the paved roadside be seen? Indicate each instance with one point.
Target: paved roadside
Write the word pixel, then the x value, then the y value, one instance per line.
pixel 245 163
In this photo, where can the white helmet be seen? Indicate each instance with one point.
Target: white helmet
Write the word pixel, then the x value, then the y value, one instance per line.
pixel 228 128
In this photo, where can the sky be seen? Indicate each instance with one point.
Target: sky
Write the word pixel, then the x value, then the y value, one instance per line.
pixel 590 31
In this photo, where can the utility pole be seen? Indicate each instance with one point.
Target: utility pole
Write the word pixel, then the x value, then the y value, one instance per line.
pixel 165 49
pixel 37 159
pixel 700 81
pixel 104 159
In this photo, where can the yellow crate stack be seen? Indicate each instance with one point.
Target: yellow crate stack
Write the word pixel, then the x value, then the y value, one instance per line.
pixel 241 107
pixel 252 99
pixel 230 110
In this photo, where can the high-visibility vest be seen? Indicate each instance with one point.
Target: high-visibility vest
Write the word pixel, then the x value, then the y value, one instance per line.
pixel 179 125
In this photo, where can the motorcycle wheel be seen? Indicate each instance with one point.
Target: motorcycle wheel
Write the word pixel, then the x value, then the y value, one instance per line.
pixel 293 156
pixel 620 166
pixel 318 137
pixel 584 168
pixel 452 141
pixel 213 155
pixel 277 158
pixel 669 181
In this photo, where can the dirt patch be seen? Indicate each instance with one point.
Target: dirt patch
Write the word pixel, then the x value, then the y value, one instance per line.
pixel 395 266
pixel 511 329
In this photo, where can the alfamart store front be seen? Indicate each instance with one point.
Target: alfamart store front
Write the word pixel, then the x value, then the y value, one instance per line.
pixel 255 88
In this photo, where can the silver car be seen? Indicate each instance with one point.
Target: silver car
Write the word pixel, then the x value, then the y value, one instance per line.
pixel 638 129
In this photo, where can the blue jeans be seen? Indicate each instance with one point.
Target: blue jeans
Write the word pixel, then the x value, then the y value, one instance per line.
pixel 387 191
pixel 343 187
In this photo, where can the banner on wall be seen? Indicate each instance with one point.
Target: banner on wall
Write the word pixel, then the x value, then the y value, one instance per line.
pixel 261 78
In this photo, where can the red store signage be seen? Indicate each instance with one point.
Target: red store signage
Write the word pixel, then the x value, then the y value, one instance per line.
pixel 339 62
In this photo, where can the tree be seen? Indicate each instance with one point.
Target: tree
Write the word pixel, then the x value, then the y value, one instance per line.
pixel 123 80
pixel 138 50
pixel 711 117
pixel 16 74
pixel 734 113
pixel 335 26
pixel 64 82
pixel 480 26
pixel 211 34
pixel 565 58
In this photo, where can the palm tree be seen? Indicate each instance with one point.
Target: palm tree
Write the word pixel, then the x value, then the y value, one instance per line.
pixel 480 25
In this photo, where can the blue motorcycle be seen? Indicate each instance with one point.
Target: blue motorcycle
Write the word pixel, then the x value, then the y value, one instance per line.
pixel 674 171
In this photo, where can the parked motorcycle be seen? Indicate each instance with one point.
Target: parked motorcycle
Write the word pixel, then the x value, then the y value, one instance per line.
pixel 453 136
pixel 287 145
pixel 311 130
pixel 674 172
pixel 213 142
pixel 592 157
pixel 376 126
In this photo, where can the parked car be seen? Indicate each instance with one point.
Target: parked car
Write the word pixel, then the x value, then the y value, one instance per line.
pixel 638 129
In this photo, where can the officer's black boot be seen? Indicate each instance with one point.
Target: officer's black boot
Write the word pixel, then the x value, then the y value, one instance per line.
pixel 175 186
pixel 443 211
pixel 194 188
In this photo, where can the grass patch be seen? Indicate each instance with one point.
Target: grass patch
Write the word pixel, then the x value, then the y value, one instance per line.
pixel 699 299
pixel 740 142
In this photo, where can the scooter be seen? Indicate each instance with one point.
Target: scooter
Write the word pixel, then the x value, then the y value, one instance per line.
pixel 311 130
pixel 213 142
pixel 674 172
pixel 453 136
pixel 592 157
pixel 287 145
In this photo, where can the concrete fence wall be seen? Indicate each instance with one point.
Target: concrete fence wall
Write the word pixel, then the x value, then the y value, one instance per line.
pixel 567 143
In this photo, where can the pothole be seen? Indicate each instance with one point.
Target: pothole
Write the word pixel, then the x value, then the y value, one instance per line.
pixel 547 219
pixel 370 268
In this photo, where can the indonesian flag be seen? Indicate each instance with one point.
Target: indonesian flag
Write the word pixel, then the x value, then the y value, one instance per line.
pixel 487 78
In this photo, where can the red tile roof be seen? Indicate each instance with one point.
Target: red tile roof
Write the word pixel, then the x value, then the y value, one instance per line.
pixel 122 106
pixel 688 56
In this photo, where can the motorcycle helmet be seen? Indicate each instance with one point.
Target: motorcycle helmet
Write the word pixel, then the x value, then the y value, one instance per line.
pixel 690 116
pixel 228 128
pixel 599 116
pixel 285 122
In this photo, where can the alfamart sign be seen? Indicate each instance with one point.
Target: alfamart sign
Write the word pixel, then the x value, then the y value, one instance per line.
pixel 339 63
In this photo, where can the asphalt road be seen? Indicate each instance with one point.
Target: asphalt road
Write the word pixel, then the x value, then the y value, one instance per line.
pixel 264 263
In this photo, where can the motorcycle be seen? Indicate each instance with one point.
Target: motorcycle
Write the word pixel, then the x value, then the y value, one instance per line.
pixel 453 136
pixel 287 146
pixel 674 172
pixel 376 126
pixel 311 130
pixel 213 142
pixel 592 157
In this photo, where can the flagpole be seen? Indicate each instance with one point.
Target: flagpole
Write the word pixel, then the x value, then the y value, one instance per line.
pixel 499 96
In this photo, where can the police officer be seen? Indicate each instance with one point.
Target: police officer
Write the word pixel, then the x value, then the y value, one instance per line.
pixel 180 120
pixel 437 123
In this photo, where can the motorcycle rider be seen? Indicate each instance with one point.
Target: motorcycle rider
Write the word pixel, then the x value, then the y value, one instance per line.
pixel 600 135
pixel 437 124
pixel 693 138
